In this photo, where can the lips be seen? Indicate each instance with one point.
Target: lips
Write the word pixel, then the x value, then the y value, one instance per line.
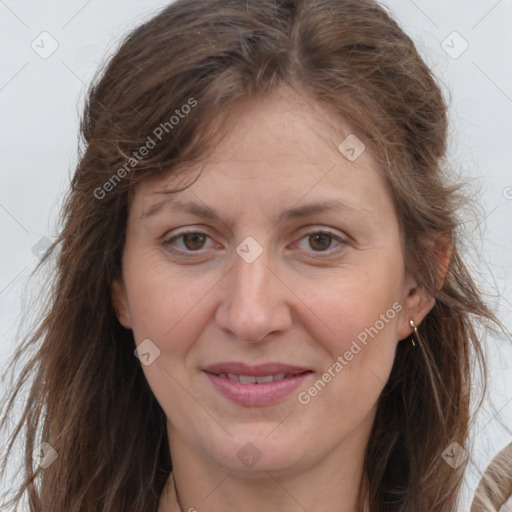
pixel 253 386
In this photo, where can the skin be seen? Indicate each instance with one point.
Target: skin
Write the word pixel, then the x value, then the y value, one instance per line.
pixel 300 302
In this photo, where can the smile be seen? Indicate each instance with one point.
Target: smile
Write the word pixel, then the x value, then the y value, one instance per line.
pixel 256 391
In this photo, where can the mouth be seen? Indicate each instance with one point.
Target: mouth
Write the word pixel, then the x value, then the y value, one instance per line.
pixel 253 386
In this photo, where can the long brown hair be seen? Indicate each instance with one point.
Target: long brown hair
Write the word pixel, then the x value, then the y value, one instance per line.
pixel 88 397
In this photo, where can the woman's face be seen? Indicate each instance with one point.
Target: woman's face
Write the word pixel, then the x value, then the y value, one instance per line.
pixel 315 294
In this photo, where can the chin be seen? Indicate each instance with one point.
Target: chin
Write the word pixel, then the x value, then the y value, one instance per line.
pixel 256 452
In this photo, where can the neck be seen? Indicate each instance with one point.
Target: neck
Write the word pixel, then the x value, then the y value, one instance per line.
pixel 171 501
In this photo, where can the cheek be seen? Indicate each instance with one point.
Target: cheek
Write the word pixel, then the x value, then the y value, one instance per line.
pixel 354 307
pixel 358 335
pixel 165 303
pixel 167 306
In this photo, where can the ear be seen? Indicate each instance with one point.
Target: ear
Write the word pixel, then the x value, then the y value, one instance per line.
pixel 120 303
pixel 418 302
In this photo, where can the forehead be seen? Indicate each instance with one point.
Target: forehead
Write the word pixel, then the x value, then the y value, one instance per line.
pixel 279 149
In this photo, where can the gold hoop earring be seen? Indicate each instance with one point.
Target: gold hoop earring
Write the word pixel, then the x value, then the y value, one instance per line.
pixel 413 325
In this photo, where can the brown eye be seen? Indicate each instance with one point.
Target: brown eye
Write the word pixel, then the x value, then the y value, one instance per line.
pixel 187 242
pixel 320 241
pixel 193 241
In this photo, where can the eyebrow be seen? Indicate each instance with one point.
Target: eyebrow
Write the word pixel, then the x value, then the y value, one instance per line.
pixel 201 210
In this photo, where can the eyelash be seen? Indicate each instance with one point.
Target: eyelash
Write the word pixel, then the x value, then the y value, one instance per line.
pixel 168 242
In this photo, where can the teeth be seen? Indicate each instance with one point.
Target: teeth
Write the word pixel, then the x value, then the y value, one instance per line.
pixel 251 379
pixel 267 378
pixel 247 379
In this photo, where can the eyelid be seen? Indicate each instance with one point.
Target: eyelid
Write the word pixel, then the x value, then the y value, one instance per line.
pixel 308 230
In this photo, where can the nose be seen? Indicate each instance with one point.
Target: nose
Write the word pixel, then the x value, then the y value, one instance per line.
pixel 253 301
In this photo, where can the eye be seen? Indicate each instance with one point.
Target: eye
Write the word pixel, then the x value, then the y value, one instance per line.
pixel 321 241
pixel 193 241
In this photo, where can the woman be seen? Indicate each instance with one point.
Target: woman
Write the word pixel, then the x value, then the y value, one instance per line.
pixel 259 300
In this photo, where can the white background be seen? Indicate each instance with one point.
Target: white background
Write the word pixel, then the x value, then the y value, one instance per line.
pixel 41 100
